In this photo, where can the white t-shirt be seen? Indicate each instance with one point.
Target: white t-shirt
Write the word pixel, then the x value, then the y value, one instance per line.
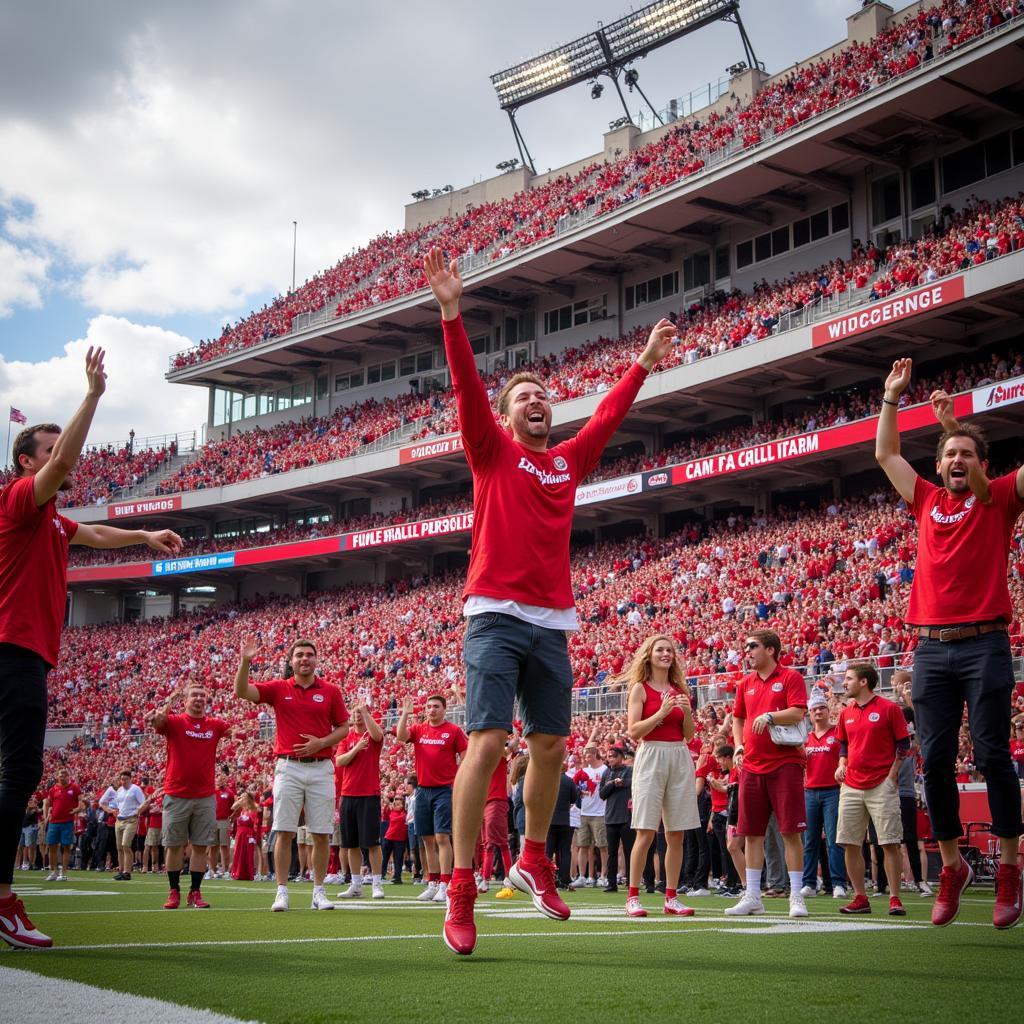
pixel 592 804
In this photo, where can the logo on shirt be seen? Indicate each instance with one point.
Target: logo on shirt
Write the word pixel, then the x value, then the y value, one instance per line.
pixel 59 526
pixel 560 463
pixel 318 697
pixel 751 691
pixel 956 517
pixel 830 740
pixel 196 735
pixel 542 475
pixel 874 717
pixel 777 687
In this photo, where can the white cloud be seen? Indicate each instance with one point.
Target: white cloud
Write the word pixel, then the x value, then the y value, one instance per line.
pixel 22 274
pixel 137 396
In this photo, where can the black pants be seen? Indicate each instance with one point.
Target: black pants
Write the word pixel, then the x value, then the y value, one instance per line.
pixel 559 846
pixel 720 825
pixel 978 671
pixel 393 849
pixel 22 731
pixel 908 812
pixel 620 833
pixel 658 846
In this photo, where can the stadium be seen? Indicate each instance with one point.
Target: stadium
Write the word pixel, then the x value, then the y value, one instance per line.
pixel 802 231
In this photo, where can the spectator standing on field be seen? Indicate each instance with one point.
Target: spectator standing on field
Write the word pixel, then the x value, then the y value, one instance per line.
pixel 616 791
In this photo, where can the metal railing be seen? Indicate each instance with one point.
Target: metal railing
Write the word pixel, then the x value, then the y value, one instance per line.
pixel 712 159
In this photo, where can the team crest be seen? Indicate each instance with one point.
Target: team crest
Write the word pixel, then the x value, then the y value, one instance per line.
pixel 777 687
pixel 318 697
pixel 559 463
pixel 874 717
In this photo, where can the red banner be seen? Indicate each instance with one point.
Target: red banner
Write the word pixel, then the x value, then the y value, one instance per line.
pixel 144 507
pixel 889 311
pixel 407 531
pixel 89 573
pixel 430 449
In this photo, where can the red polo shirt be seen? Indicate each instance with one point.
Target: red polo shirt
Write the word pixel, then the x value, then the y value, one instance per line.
pixel 191 754
pixel 362 775
pixel 871 734
pixel 435 747
pixel 64 802
pixel 719 798
pixel 784 688
pixel 315 710
pixel 225 801
pixel 822 759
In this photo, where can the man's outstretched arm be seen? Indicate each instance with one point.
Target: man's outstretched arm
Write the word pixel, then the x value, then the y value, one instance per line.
pixel 887 438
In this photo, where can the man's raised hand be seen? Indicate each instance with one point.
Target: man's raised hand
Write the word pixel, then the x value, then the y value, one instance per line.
pixel 899 379
pixel 659 344
pixel 94 372
pixel 445 282
pixel 942 406
pixel 167 542
pixel 249 648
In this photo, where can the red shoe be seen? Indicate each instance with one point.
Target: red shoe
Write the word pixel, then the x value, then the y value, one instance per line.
pixel 1009 896
pixel 538 882
pixel 952 882
pixel 677 909
pixel 173 900
pixel 896 908
pixel 195 899
pixel 17 928
pixel 858 905
pixel 459 929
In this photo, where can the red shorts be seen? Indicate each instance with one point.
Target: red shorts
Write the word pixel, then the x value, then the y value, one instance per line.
pixel 495 830
pixel 781 791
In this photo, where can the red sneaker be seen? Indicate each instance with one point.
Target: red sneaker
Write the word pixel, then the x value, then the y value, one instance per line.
pixel 952 882
pixel 538 882
pixel 195 899
pixel 1009 896
pixel 858 905
pixel 173 900
pixel 896 908
pixel 17 928
pixel 459 929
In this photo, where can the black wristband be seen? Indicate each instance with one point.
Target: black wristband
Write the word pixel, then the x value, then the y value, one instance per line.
pixel 889 401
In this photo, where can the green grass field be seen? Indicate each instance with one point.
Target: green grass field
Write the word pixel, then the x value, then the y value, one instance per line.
pixel 386 961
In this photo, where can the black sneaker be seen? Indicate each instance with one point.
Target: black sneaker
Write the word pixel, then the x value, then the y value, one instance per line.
pixel 660 887
pixel 610 888
pixel 120 876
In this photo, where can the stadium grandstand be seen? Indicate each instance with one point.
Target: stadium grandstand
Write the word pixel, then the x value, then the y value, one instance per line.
pixel 803 231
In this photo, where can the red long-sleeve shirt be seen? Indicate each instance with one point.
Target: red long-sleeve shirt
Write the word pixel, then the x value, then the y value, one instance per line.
pixel 523 499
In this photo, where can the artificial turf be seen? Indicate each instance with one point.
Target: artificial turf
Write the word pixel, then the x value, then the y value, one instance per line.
pixel 385 959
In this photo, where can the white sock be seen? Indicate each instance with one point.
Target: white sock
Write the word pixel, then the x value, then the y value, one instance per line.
pixel 318 888
pixel 754 883
pixel 375 879
pixel 796 881
pixel 281 889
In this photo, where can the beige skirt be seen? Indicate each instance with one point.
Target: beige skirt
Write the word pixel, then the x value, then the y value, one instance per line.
pixel 664 787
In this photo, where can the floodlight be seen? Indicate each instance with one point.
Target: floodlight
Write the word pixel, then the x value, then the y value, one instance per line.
pixel 595 92
pixel 661 22
pixel 573 62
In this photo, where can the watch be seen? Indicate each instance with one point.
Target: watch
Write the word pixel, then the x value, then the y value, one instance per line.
pixel 768 716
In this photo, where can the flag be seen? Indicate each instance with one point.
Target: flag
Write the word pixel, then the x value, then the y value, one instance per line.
pixel 17 416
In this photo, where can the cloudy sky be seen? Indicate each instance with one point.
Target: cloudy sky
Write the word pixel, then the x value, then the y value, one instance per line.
pixel 155 155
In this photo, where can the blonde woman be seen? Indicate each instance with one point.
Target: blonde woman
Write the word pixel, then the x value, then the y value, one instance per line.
pixel 660 719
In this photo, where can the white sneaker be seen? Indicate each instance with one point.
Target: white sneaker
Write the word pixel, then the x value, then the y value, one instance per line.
pixel 61 877
pixel 602 882
pixel 507 883
pixel 797 907
pixel 281 903
pixel 353 892
pixel 634 908
pixel 925 889
pixel 589 883
pixel 748 905
pixel 483 885
pixel 52 876
pixel 378 891
pixel 808 890
pixel 441 896
pixel 320 900
pixel 839 893
pixel 24 865
pixel 699 892
pixel 577 883
pixel 332 879
pixel 208 875
pixel 429 893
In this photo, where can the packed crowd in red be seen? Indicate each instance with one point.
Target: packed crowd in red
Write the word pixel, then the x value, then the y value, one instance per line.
pixel 724 321
pixel 853 404
pixel 832 581
pixel 389 267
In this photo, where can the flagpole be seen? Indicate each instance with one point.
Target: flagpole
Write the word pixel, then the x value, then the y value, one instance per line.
pixel 7 450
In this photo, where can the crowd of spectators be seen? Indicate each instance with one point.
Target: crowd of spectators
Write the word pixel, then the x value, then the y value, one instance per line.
pixel 389 266
pixel 833 581
pixel 839 408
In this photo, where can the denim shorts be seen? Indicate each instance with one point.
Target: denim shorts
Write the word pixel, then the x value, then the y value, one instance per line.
pixel 60 834
pixel 433 810
pixel 506 658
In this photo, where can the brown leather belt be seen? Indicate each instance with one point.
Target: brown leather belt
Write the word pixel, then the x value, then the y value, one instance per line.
pixel 950 634
pixel 301 760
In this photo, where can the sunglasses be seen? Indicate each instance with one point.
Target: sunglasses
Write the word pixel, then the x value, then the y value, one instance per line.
pixel 751 646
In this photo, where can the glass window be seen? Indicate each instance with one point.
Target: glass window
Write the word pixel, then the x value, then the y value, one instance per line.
pixel 885 200
pixel 630 297
pixel 840 217
pixel 284 399
pixel 669 283
pixel 341 382
pixel 406 366
pixel 321 387
pixel 249 406
pixel 373 375
pixel 424 361
pixel 697 270
pixel 1018 146
pixel 721 262
pixel 236 407
pixel 819 225
pixel 963 168
pixel 387 371
pixel 997 154
pixel 802 232
pixel 744 255
pixel 763 247
pixel 264 402
pixel 479 344
pixel 654 290
pixel 565 318
pixel 780 240
pixel 922 185
pixel 356 379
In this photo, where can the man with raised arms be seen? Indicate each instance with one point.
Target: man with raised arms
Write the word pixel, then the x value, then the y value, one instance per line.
pixel 518 596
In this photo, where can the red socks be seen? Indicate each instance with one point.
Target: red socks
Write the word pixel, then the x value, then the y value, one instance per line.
pixel 461 875
pixel 634 892
pixel 433 877
pixel 670 894
pixel 445 879
pixel 533 851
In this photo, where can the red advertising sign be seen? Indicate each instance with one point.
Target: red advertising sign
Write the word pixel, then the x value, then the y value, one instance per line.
pixel 143 507
pixel 91 573
pixel 407 531
pixel 430 449
pixel 888 311
pixel 279 552
pixel 993 396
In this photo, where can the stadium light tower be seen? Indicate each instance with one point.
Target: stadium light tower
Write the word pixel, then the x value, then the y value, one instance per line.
pixel 609 51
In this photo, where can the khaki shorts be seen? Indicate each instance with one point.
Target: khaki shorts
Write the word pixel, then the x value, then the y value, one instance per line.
pixel 303 836
pixel 124 832
pixel 153 837
pixel 881 805
pixel 664 787
pixel 194 820
pixel 336 835
pixel 591 831
pixel 299 785
pixel 223 832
